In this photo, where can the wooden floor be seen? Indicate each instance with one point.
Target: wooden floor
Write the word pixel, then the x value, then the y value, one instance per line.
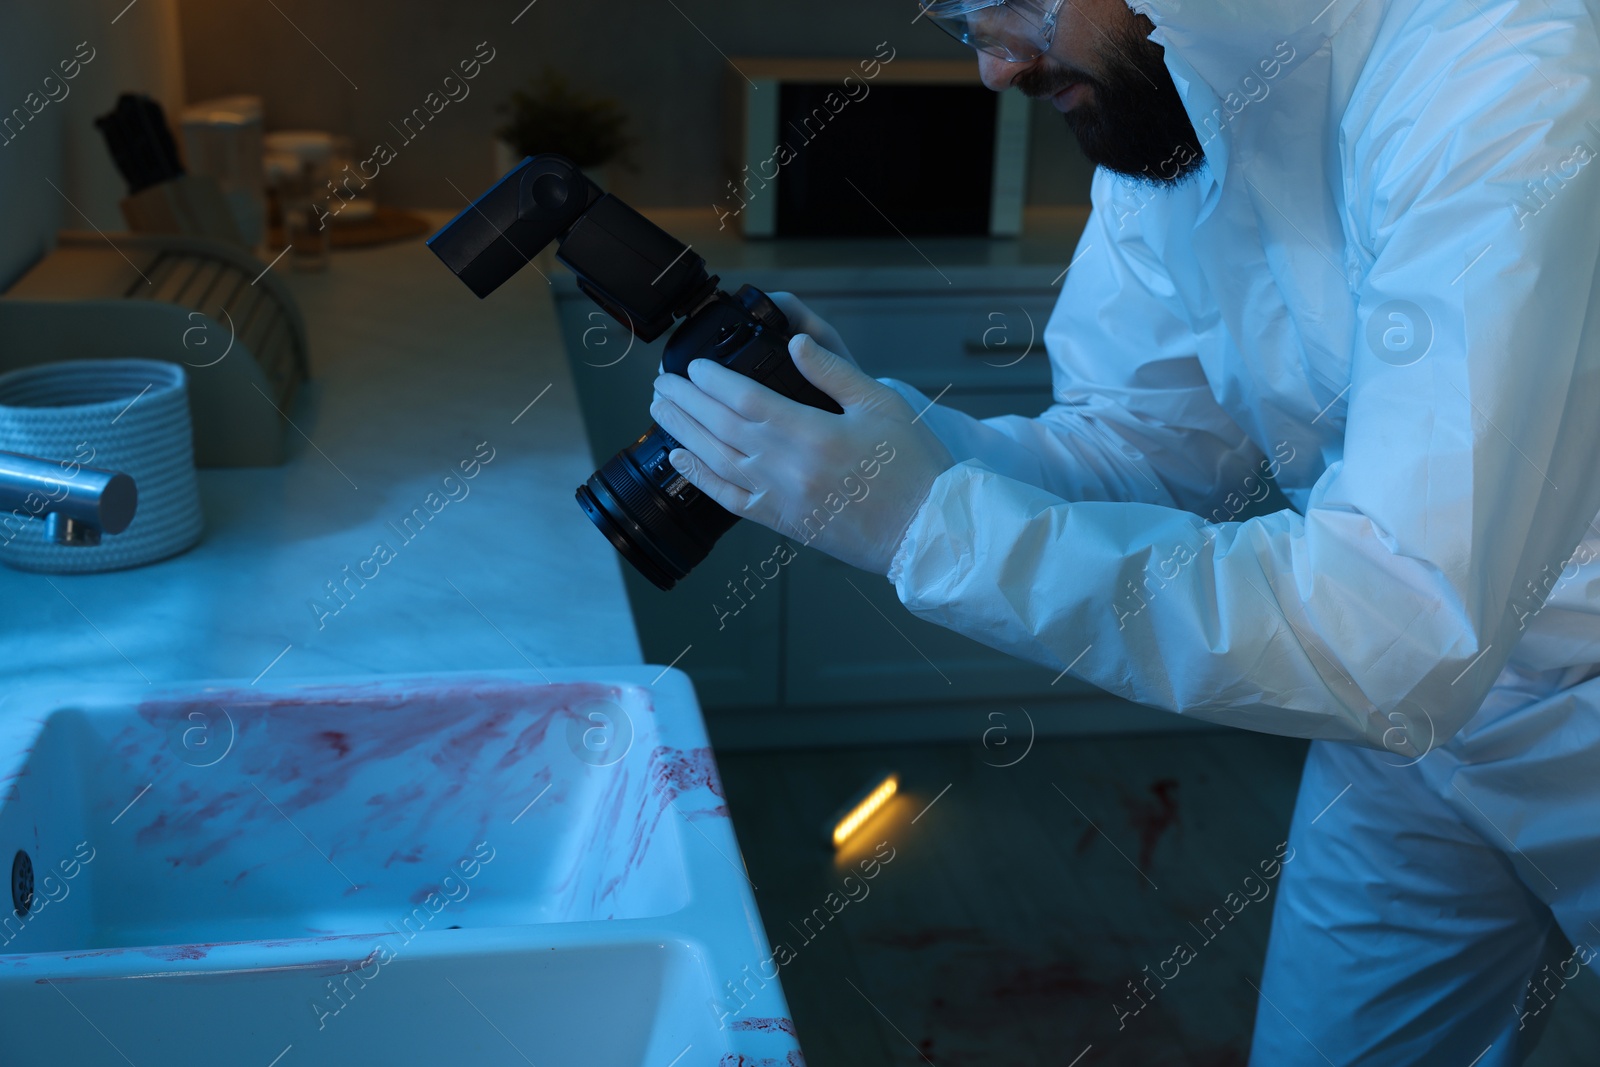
pixel 1013 905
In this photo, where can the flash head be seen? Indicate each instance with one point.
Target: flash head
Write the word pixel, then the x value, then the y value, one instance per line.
pixel 640 274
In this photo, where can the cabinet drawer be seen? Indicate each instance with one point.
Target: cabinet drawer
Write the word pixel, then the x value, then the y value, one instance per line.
pixel 985 341
pixel 849 640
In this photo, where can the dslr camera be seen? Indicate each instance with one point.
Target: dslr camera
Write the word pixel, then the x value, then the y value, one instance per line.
pixel 647 281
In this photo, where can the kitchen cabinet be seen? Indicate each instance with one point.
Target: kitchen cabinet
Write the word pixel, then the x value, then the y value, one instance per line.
pixel 851 642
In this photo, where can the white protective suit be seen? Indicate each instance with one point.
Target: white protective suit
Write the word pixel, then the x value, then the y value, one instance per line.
pixel 1381 292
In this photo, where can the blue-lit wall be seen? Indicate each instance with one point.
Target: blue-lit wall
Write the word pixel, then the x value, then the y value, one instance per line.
pixel 50 136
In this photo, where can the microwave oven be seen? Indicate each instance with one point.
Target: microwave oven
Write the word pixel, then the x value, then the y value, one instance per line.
pixel 872 147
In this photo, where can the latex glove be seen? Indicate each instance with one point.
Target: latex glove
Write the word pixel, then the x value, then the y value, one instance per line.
pixel 849 484
pixel 803 320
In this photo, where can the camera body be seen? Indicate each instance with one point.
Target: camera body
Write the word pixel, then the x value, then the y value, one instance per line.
pixel 646 280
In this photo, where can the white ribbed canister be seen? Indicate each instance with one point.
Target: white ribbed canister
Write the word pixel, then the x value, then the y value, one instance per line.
pixel 128 415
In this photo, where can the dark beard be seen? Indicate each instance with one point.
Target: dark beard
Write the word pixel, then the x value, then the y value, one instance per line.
pixel 1135 123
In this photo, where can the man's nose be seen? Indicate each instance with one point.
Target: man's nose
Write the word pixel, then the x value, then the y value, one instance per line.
pixel 998 73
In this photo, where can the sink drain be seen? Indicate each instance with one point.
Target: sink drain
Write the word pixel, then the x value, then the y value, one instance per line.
pixel 21 884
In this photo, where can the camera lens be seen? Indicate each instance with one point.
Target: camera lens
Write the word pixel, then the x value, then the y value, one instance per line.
pixel 650 513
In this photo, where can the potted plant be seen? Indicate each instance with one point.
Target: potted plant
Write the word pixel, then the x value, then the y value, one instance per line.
pixel 549 115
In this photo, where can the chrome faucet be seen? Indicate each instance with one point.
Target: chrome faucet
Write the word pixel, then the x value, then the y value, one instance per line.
pixel 77 503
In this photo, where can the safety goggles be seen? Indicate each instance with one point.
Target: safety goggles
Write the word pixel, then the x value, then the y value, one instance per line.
pixel 1015 30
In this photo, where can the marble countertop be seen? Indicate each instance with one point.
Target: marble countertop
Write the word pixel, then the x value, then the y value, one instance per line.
pixel 412 374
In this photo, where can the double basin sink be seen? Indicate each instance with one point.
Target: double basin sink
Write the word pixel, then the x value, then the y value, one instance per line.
pixel 502 869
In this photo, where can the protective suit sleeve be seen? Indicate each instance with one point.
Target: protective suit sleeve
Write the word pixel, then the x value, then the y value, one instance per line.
pixel 1134 417
pixel 1385 612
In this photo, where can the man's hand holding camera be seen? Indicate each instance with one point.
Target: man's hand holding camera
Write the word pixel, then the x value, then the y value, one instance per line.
pixel 765 457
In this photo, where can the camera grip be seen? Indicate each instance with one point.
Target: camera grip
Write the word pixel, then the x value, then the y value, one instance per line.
pixel 786 378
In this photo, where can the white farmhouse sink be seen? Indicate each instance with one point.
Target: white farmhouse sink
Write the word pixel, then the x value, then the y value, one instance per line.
pixel 479 870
